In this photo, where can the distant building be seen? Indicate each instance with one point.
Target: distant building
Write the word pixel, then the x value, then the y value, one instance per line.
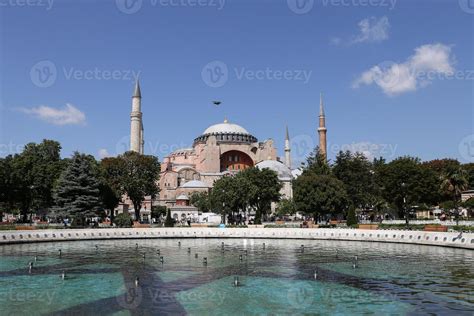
pixel 466 195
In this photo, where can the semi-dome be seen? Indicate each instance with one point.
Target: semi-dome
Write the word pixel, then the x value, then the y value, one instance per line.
pixel 284 173
pixel 182 197
pixel 194 184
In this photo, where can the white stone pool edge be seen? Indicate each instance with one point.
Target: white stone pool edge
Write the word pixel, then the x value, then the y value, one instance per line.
pixel 455 240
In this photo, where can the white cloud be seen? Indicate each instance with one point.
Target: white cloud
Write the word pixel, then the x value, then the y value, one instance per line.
pixel 69 115
pixel 103 153
pixel 336 41
pixel 372 30
pixel 418 71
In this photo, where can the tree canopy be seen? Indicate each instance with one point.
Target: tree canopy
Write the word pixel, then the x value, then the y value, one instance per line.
pixel 31 175
pixel 252 187
pixel 77 194
pixel 357 176
pixel 318 195
pixel 406 182
pixel 140 178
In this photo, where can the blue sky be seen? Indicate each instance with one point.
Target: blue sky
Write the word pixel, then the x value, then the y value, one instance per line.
pixel 397 76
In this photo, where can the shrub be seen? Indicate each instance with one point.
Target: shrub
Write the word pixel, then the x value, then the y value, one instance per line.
pixel 351 217
pixel 169 222
pixel 282 226
pixel 463 228
pixel 402 226
pixel 123 220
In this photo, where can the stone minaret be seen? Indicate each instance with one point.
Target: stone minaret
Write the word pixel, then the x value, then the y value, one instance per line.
pixel 287 149
pixel 322 129
pixel 136 127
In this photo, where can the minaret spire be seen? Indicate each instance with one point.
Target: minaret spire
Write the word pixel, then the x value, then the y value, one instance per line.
pixel 287 149
pixel 136 122
pixel 322 129
pixel 321 105
pixel 137 93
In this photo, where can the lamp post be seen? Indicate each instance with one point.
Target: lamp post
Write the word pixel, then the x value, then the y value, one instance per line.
pixel 32 187
pixel 405 211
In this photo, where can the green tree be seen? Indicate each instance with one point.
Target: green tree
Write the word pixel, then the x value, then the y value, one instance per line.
pixel 455 182
pixel 469 204
pixel 263 189
pixel 169 222
pixel 447 206
pixel 317 163
pixel 351 217
pixel 123 220
pixel 469 167
pixel 111 190
pixel 158 210
pixel 7 189
pixel 377 199
pixel 406 183
pixel 34 174
pixel 441 167
pixel 286 207
pixel 201 200
pixel 319 195
pixel 77 193
pixel 224 196
pixel 355 171
pixel 140 177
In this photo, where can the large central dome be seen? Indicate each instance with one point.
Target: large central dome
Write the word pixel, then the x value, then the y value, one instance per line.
pixel 226 133
pixel 225 128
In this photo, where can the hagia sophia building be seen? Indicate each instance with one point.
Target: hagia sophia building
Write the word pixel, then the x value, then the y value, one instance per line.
pixel 222 149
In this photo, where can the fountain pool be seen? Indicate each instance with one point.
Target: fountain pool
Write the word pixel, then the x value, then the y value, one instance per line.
pixel 127 277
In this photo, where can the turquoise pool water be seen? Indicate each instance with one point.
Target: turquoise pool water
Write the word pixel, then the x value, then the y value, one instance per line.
pixel 275 279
